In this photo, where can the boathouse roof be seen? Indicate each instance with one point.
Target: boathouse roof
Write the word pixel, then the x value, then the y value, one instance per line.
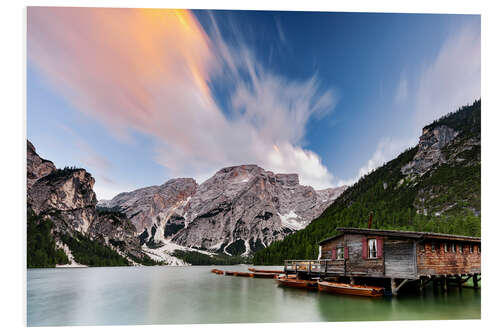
pixel 402 234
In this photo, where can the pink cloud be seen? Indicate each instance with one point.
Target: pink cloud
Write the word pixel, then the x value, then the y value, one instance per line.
pixel 149 70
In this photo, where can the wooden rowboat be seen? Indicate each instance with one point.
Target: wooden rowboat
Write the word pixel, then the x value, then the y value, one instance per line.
pixel 350 289
pixel 264 275
pixel 217 271
pixel 243 274
pixel 297 283
pixel 264 271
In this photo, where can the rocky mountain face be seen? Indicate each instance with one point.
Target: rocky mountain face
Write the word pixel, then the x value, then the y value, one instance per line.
pixel 237 211
pixel 149 206
pixel 66 197
pixel 450 148
pixel 430 148
pixel 36 166
pixel 117 230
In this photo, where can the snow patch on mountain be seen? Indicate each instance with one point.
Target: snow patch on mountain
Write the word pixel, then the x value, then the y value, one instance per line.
pixel 291 220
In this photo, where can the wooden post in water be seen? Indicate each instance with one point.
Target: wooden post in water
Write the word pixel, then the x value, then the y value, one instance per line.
pixel 474 279
pixel 445 284
pixel 420 286
pixel 393 287
pixel 459 281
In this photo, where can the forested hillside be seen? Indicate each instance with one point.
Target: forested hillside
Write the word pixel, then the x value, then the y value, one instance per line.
pixel 435 186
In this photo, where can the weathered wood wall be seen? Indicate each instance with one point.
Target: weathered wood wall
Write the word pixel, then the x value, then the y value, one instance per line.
pixel 356 265
pixel 335 266
pixel 439 262
pixel 400 258
pixel 327 248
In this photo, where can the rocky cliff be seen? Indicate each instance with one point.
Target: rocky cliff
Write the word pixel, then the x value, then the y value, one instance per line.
pixel 447 150
pixel 149 206
pixel 237 211
pixel 117 230
pixel 66 198
pixel 36 167
pixel 430 147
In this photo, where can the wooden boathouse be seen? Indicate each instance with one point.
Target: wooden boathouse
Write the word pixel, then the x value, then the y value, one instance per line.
pixel 398 257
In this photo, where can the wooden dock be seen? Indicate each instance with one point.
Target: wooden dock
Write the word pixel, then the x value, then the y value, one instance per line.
pixel 254 273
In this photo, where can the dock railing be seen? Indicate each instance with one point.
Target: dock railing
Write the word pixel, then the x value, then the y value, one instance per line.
pixel 309 266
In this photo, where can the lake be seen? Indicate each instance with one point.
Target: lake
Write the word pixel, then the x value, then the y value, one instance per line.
pixel 193 295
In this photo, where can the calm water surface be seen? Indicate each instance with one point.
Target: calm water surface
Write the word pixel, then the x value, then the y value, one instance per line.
pixel 192 295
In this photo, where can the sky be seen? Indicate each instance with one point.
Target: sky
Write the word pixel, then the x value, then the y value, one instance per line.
pixel 140 96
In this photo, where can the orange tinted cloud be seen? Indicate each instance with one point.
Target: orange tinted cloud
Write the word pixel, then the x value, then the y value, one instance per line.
pixel 148 70
pixel 113 63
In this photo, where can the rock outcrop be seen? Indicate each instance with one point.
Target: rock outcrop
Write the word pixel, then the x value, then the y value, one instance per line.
pixel 237 211
pixel 156 207
pixel 115 229
pixel 66 197
pixel 430 148
pixel 37 167
pixel 446 166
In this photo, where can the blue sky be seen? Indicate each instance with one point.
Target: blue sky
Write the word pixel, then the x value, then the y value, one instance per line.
pixel 327 95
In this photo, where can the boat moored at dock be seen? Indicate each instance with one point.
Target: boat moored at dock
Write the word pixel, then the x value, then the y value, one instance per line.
pixel 217 271
pixel 350 289
pixel 265 271
pixel 264 275
pixel 296 283
pixel 242 274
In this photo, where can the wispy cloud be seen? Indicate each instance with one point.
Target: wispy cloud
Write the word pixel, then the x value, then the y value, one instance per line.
pixel 100 166
pixel 402 90
pixel 387 149
pixel 279 28
pixel 86 154
pixel 150 71
pixel 453 79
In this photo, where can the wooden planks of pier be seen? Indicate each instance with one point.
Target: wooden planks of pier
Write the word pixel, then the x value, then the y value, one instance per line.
pixel 325 269
pixel 254 273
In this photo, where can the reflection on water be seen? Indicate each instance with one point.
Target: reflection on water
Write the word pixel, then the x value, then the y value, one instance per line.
pixel 190 295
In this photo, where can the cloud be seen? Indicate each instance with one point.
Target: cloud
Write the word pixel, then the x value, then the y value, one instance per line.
pixel 106 189
pixel 279 28
pixel 150 70
pixel 449 81
pixel 401 91
pixel 100 166
pixel 387 149
pixel 86 154
pixel 453 79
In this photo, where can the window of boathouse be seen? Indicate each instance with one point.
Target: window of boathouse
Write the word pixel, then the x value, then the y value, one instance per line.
pixel 340 253
pixel 372 248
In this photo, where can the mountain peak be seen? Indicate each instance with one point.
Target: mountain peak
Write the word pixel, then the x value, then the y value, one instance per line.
pixel 238 210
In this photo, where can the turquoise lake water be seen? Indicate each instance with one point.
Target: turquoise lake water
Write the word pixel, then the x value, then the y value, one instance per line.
pixel 193 295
